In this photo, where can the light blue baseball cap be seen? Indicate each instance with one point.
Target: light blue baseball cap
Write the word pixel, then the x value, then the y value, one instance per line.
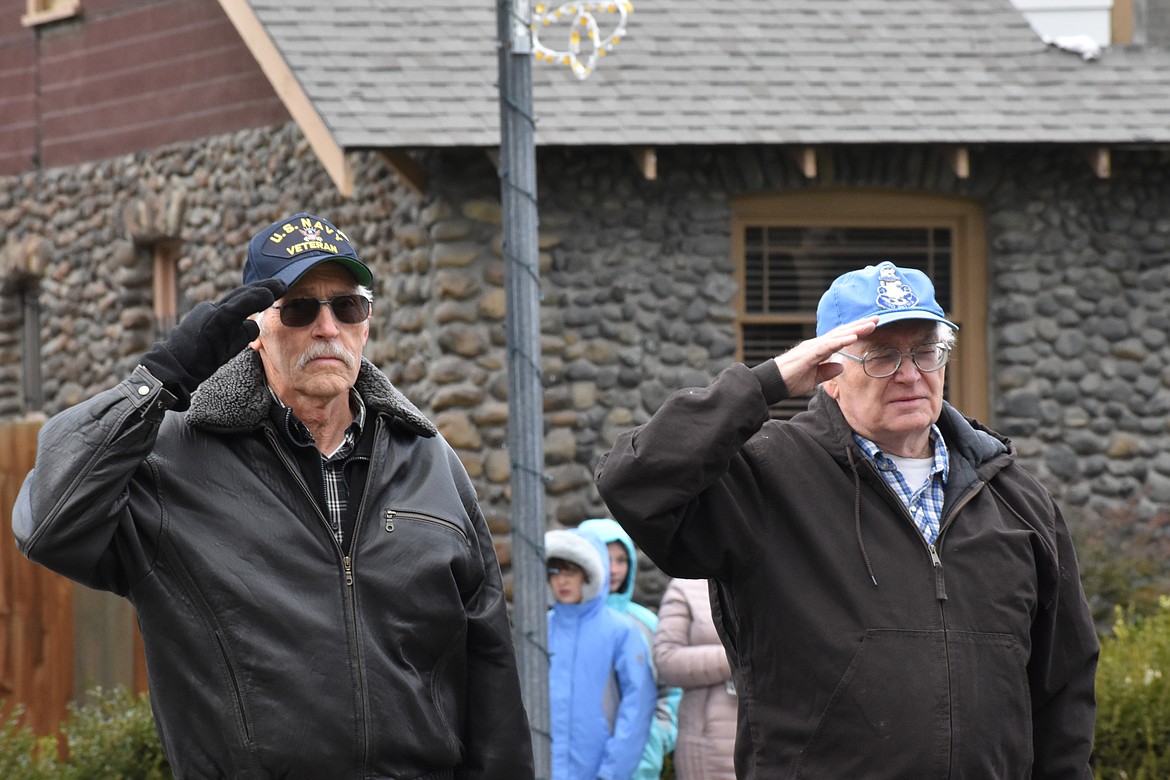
pixel 883 291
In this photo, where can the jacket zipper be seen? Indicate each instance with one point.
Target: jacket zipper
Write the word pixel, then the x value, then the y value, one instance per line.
pixel 940 590
pixel 347 560
pixel 296 475
pixel 347 566
pixel 390 515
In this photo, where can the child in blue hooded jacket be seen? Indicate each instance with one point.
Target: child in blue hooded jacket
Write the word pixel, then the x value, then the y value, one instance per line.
pixel 601 688
pixel 664 730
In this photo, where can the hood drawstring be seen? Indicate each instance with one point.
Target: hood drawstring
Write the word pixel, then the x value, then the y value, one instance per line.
pixel 857 514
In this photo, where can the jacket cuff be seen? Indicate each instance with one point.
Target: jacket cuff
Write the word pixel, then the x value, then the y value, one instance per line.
pixel 771 383
pixel 148 395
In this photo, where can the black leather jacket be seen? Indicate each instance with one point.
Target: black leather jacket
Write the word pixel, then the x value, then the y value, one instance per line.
pixel 272 651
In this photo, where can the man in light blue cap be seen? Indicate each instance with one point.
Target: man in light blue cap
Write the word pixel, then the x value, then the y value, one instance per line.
pixel 897 596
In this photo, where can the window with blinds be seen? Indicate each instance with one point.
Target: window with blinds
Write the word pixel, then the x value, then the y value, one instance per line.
pixel 786 269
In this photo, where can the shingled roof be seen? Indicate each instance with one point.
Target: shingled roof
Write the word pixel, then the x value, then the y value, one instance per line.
pixel 401 74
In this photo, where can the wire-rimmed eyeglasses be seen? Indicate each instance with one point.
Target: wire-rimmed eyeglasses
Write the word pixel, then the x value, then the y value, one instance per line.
pixel 884 362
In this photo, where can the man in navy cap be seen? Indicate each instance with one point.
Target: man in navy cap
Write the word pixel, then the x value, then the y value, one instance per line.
pixel 315 582
pixel 897 596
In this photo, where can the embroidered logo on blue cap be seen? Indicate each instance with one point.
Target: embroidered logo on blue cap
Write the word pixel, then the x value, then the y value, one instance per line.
pixel 892 292
pixel 294 238
pixel 883 291
pixel 287 249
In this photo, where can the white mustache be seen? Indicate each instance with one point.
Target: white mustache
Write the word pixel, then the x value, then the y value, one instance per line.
pixel 325 349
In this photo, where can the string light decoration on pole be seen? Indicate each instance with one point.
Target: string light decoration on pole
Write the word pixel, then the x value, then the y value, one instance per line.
pixel 584 33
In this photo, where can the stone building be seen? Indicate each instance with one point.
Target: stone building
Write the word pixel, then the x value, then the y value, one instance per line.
pixel 696 193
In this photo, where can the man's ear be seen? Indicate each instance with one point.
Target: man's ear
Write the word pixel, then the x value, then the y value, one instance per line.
pixel 832 388
pixel 257 342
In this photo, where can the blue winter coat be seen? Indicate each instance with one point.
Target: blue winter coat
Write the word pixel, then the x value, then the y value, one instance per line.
pixel 664 730
pixel 601 689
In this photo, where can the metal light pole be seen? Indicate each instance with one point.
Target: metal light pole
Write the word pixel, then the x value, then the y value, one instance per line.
pixel 525 402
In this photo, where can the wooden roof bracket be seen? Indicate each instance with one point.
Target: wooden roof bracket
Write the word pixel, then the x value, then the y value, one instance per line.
pixel 1100 161
pixel 409 171
pixel 959 160
pixel 329 152
pixel 646 158
pixel 805 158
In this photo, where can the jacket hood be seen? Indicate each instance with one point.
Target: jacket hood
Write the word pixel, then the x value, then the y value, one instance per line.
pixel 585 550
pixel 236 398
pixel 607 531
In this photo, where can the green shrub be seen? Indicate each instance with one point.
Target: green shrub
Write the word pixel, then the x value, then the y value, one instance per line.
pixel 1122 559
pixel 667 767
pixel 113 736
pixel 24 756
pixel 1133 698
pixel 110 735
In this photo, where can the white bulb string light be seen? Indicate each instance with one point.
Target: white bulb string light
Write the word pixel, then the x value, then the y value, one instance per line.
pixel 585 41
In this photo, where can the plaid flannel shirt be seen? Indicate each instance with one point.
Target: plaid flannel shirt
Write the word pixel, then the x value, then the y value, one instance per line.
pixel 925 502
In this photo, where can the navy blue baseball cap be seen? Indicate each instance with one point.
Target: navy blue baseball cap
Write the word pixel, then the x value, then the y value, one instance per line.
pixel 287 248
pixel 883 291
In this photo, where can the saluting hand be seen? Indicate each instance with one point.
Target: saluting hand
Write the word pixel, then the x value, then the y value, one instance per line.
pixel 208 337
pixel 807 364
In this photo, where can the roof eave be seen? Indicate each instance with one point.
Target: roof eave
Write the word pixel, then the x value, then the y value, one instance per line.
pixel 289 90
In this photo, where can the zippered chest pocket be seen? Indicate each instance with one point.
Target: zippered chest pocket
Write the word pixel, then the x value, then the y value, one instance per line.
pixel 391 518
pixel 419 569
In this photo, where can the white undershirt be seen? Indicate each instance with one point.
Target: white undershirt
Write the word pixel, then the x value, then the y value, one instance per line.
pixel 914 470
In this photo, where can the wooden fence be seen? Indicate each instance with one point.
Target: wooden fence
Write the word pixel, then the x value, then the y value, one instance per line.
pixel 57 639
pixel 36 606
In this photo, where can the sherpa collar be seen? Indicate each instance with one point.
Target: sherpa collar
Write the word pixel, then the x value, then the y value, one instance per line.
pixel 235 397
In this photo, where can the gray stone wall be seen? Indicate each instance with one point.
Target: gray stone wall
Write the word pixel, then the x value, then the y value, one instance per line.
pixel 94 227
pixel 638 290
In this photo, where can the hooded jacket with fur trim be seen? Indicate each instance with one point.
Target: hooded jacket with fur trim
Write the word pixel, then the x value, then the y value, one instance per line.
pixel 272 651
pixel 858 650
pixel 601 689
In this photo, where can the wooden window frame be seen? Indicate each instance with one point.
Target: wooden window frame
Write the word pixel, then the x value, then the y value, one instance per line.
pixel 164 258
pixel 31 378
pixel 46 11
pixel 967 374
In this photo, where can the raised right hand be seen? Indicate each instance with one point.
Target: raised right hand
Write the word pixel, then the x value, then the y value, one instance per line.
pixel 807 364
pixel 209 336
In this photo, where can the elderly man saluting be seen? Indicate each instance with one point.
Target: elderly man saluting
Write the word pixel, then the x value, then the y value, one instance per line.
pixel 316 586
pixel 897 596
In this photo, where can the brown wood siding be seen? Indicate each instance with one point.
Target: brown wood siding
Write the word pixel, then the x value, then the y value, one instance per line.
pixel 126 76
pixel 18 138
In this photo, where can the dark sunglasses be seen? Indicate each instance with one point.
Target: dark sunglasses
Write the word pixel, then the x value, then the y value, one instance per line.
pixel 299 312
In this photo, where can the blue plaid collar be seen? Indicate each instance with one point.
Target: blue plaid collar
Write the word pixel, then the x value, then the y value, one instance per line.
pixel 942 458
